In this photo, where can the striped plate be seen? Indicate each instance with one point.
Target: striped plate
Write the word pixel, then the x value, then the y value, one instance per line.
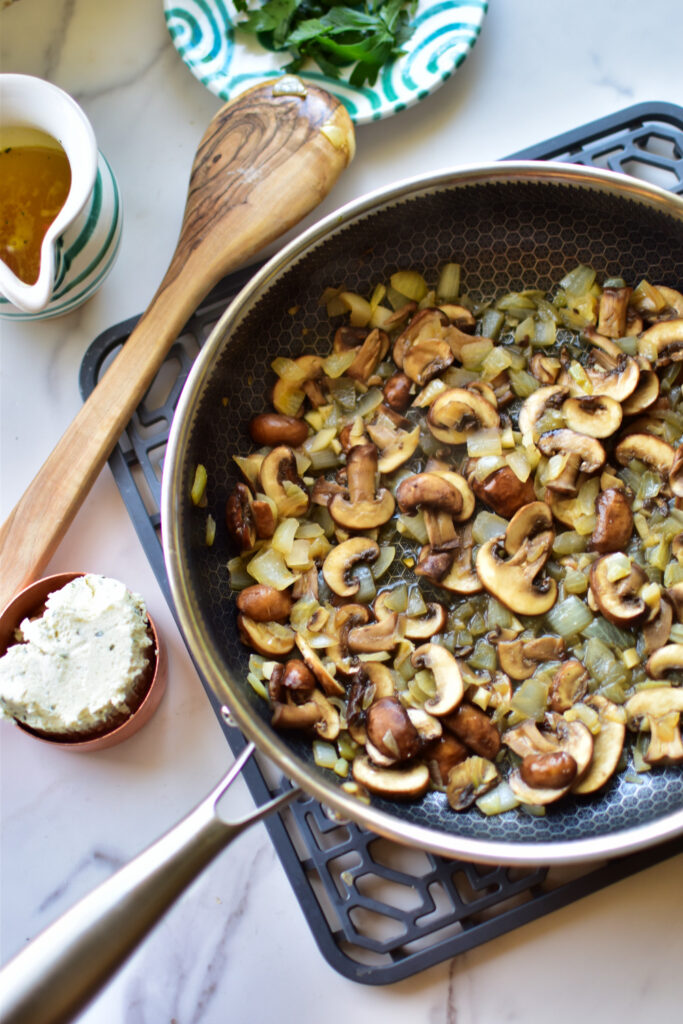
pixel 227 63
pixel 86 251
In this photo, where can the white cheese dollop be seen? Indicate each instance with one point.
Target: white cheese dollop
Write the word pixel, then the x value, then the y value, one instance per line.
pixel 79 665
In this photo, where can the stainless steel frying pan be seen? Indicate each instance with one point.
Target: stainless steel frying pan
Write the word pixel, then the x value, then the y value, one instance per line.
pixel 511 226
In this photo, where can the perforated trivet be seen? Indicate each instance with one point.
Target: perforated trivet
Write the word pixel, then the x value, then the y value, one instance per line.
pixel 378 911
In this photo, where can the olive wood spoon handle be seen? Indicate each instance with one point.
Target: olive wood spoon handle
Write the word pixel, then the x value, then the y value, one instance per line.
pixel 266 160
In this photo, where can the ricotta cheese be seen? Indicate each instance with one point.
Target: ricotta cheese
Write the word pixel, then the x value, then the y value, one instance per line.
pixel 81 665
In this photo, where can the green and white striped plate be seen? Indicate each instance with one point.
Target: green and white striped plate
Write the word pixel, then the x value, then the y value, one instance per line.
pixel 227 62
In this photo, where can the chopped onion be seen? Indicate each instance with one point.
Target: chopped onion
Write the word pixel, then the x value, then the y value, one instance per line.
pixel 448 285
pixel 472 355
pixel 409 283
pixel 569 617
pixel 383 562
pixel 497 800
pixel 268 567
pixel 484 442
pixel 486 526
pixel 518 461
pixel 359 308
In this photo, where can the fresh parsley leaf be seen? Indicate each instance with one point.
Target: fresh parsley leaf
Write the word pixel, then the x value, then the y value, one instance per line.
pixel 362 36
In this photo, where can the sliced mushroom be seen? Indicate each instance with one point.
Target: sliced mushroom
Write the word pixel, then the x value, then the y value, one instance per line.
pixel 658 709
pixel 440 501
pixel 569 686
pixel 656 632
pixel 593 415
pixel 427 359
pixel 280 481
pixel 272 639
pixel 429 728
pixel 239 518
pixel 666 744
pixel 396 441
pixel 648 449
pixel 427 323
pixel 607 745
pixel 376 636
pixel 407 783
pixel 534 407
pixel 612 377
pixel 527 738
pixel 526 524
pixel 544 368
pixel 520 658
pixel 663 340
pixel 571 738
pixel 372 350
pixel 612 311
pixel 456 412
pixel 422 627
pixel 328 724
pixel 676 473
pixel 503 491
pixel 264 604
pixel 270 428
pixel 295 716
pixel 469 780
pixel 584 455
pixel 331 686
pixel 475 729
pixel 340 561
pixel 444 755
pixel 289 394
pixel 390 730
pixel 362 508
pixel 450 688
pixel 645 394
pixel 455 572
pixel 556 770
pixel 614 522
pixel 515 581
pixel 667 659
pixel 619 599
pixel 397 391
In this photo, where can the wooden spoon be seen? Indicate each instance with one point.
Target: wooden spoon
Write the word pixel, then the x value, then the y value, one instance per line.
pixel 267 159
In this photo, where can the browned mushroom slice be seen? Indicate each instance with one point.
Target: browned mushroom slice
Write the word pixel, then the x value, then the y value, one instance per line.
pixel 607 745
pixel 594 415
pixel 527 738
pixel 469 780
pixel 617 596
pixel 328 724
pixel 612 311
pixel 653 451
pixel 667 659
pixel 658 710
pixel 339 563
pixel 427 323
pixel 461 485
pixel 369 355
pixel 399 783
pixel 614 522
pixel 239 519
pixel 644 396
pixel 459 316
pixel 475 729
pixel 515 581
pixel 571 738
pixel 264 604
pixel 429 728
pixel 520 658
pixel 280 481
pixel 503 491
pixel 390 730
pixel 663 340
pixel 345 618
pixel 422 627
pixel 676 473
pixel 331 686
pixel 449 685
pixel 396 391
pixel 456 573
pixel 456 412
pixel 272 639
pixel 265 517
pixel 376 636
pixel 444 755
pixel 362 508
pixel 528 522
pixel 656 632
pixel 396 438
pixel 569 686
pixel 616 378
pixel 544 368
pixel 537 404
pixel 426 359
pixel 584 454
pixel 295 716
pixel 439 500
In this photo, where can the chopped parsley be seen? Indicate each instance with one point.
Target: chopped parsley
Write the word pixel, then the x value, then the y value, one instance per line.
pixel 364 36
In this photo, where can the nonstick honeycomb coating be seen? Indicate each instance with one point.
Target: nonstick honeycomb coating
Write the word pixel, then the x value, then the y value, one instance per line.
pixel 506 236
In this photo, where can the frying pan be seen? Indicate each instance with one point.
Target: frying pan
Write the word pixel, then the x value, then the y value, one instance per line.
pixel 511 225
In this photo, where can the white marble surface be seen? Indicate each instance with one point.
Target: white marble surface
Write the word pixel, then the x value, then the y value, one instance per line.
pixel 236 946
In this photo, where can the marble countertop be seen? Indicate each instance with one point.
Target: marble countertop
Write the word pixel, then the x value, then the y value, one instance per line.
pixel 236 945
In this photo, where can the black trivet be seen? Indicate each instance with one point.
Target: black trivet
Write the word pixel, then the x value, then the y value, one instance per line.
pixel 379 911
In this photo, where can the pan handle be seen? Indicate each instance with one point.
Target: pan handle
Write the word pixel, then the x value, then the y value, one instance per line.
pixel 61 970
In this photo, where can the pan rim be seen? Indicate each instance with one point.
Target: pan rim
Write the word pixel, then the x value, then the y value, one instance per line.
pixel 448 844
